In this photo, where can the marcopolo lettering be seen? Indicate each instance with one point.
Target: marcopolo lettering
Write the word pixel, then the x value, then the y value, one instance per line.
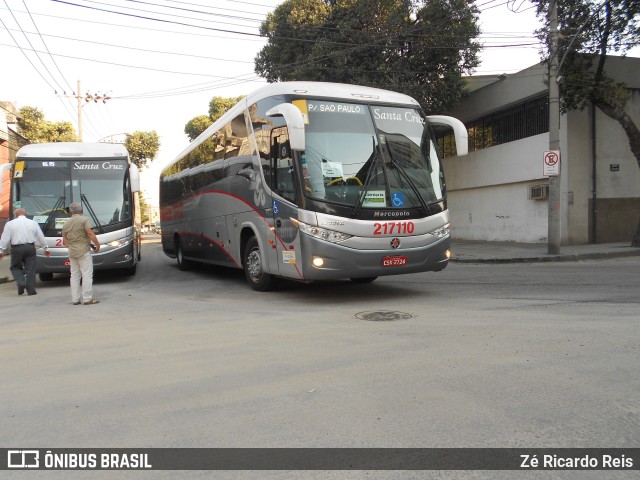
pixel 391 214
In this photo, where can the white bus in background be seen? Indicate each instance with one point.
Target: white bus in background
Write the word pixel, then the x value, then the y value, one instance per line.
pixel 312 181
pixel 47 177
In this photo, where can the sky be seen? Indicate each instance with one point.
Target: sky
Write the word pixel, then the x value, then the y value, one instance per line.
pixel 160 62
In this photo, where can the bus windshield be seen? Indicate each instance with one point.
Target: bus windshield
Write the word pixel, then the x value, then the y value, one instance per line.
pixel 46 188
pixel 370 156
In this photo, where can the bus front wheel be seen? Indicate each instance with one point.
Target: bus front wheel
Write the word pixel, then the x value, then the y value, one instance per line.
pixel 254 267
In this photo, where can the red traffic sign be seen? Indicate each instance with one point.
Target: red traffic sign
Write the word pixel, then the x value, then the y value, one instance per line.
pixel 551 163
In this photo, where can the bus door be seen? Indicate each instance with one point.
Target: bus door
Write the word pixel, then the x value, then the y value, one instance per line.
pixel 285 247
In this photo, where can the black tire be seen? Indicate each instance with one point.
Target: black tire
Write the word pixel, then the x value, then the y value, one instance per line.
pixel 253 263
pixel 363 280
pixel 45 277
pixel 182 263
pixel 131 271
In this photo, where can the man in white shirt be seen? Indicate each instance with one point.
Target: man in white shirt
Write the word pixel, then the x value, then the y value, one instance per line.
pixel 23 234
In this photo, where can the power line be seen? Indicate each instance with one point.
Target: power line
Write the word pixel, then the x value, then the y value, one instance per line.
pixel 32 47
pixel 138 67
pixel 145 50
pixel 31 63
pixel 197 11
pixel 303 26
pixel 140 17
pixel 222 81
pixel 45 44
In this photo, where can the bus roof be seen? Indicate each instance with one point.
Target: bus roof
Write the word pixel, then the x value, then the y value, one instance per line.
pixel 328 90
pixel 72 149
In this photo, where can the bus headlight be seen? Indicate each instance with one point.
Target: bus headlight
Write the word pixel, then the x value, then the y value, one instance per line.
pixel 441 232
pixel 321 233
pixel 118 243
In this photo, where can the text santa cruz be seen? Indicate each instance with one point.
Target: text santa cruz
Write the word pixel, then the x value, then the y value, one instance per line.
pixel 98 166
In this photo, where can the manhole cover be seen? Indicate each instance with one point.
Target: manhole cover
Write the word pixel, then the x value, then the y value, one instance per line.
pixel 383 316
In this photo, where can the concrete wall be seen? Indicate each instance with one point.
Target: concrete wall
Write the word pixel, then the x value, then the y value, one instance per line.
pixel 618 178
pixel 488 189
pixel 488 192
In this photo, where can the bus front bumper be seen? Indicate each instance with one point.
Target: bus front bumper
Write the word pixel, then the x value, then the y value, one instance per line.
pixel 342 262
pixel 106 259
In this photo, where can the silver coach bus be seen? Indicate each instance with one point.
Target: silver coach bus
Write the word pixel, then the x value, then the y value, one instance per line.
pixel 312 181
pixel 47 177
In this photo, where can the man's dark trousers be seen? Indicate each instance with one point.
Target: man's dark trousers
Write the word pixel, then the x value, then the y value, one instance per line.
pixel 23 267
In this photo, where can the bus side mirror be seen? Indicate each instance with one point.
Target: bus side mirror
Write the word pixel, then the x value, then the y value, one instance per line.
pixel 3 167
pixel 459 131
pixel 134 177
pixel 295 123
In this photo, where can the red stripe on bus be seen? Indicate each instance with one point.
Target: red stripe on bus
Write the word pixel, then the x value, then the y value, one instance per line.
pixel 253 207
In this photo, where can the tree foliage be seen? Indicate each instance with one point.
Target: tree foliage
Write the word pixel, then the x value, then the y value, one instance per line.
pixel 196 126
pixel 142 147
pixel 36 129
pixel 217 107
pixel 144 209
pixel 587 32
pixel 418 47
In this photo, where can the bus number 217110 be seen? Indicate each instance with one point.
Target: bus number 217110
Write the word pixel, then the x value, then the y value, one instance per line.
pixel 393 228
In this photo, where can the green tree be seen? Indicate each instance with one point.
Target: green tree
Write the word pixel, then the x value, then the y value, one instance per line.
pixel 143 147
pixel 217 107
pixel 418 47
pixel 144 209
pixel 196 126
pixel 36 129
pixel 587 32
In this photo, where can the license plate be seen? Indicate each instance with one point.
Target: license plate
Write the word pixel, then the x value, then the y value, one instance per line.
pixel 67 263
pixel 395 261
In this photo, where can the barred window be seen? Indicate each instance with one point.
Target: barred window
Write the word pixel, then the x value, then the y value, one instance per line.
pixel 508 125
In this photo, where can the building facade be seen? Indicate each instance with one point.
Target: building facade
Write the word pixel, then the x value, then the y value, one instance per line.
pixel 498 191
pixel 10 143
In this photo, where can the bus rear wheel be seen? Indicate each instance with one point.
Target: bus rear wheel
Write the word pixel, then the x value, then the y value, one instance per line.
pixel 182 263
pixel 253 263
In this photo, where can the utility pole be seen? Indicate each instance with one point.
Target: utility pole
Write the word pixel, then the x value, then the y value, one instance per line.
pixel 80 112
pixel 87 98
pixel 554 216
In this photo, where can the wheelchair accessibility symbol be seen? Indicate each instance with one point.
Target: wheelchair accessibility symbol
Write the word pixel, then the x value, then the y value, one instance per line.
pixel 276 210
pixel 397 199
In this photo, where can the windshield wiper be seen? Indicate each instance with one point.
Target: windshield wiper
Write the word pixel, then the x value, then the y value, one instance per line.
pixel 91 212
pixel 407 178
pixel 60 202
pixel 374 163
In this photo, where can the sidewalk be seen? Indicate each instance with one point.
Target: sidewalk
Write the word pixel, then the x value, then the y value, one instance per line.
pixel 467 251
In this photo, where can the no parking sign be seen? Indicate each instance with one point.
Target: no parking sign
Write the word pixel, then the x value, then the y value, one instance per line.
pixel 551 163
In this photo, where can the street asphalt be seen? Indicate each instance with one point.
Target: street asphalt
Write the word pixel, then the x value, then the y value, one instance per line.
pixel 469 251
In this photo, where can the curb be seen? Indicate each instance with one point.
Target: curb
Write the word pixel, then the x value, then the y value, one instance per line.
pixel 550 258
